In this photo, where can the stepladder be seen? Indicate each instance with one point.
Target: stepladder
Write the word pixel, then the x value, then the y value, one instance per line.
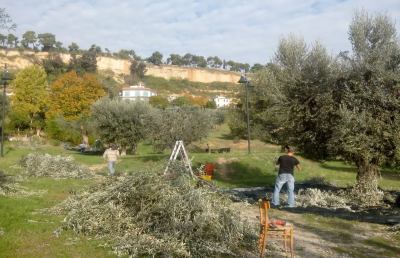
pixel 180 152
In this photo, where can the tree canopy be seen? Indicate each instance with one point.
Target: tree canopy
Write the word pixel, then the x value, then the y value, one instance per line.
pixel 346 106
pixel 155 58
pixel 71 95
pixel 6 21
pixel 180 123
pixel 121 122
pixel 29 38
pixel 47 40
pixel 29 101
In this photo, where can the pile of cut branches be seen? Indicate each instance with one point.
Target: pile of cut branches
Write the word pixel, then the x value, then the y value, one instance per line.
pixel 9 186
pixel 313 197
pixel 38 165
pixel 6 185
pixel 150 215
pixel 320 193
pixel 395 229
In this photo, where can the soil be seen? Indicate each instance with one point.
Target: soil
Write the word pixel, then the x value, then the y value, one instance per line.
pixel 324 232
pixel 223 169
pixel 98 167
pixel 386 214
pixel 309 240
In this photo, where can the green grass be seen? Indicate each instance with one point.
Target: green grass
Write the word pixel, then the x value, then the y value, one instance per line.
pixel 258 168
pixel 29 232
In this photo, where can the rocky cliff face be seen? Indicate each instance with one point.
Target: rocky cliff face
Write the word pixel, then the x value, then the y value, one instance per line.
pixel 21 59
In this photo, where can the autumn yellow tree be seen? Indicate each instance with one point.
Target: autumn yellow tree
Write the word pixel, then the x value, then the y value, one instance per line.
pixel 199 101
pixel 71 98
pixel 30 98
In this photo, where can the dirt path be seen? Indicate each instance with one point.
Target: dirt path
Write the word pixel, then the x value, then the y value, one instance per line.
pixel 308 245
pixel 313 238
pixel 97 167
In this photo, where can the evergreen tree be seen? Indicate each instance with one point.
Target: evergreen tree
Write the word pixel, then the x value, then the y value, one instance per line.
pixel 47 40
pixel 12 40
pixel 155 58
pixel 29 37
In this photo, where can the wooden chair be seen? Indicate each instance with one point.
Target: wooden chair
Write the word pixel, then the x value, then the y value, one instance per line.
pixel 286 232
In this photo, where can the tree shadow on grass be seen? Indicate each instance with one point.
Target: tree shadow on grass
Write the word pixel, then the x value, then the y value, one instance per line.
pixel 338 168
pixel 228 137
pixel 242 175
pixel 387 173
pixel 380 244
pixel 152 157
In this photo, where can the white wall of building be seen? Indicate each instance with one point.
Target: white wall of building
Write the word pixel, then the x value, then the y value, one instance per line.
pixel 137 93
pixel 222 101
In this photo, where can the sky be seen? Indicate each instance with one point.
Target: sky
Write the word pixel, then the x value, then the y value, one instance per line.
pixel 243 31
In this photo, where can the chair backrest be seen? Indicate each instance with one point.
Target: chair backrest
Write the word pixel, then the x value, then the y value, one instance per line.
pixel 264 205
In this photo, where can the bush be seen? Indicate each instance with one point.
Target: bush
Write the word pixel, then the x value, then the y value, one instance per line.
pixel 62 130
pixel 149 215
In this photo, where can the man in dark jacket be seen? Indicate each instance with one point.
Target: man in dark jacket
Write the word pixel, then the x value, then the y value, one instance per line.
pixel 286 164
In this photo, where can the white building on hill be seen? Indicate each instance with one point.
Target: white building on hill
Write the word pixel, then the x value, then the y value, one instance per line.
pixel 222 101
pixel 137 92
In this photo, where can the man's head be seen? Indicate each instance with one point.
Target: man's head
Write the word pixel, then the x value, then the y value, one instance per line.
pixel 114 146
pixel 289 150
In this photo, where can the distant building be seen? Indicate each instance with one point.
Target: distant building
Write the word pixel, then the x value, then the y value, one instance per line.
pixel 221 101
pixel 137 92
pixel 9 93
pixel 173 96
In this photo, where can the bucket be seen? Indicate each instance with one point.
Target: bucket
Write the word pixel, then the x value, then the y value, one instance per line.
pixel 209 169
pixel 206 177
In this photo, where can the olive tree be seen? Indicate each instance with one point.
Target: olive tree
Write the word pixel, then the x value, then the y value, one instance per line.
pixel 347 106
pixel 367 129
pixel 172 124
pixel 121 121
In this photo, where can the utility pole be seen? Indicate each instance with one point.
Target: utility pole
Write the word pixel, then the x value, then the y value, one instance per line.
pixel 3 117
pixel 243 80
pixel 248 117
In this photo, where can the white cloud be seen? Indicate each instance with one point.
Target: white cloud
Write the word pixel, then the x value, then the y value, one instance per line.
pixel 246 31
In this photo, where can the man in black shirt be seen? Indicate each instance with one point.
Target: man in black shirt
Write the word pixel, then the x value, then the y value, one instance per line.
pixel 286 165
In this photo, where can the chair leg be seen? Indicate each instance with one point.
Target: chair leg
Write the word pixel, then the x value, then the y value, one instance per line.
pixel 291 243
pixel 285 242
pixel 262 241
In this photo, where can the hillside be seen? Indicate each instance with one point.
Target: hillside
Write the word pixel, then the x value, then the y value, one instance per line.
pixel 20 59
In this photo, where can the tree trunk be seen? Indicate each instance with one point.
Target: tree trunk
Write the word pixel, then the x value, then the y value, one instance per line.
pixel 85 137
pixel 134 149
pixel 31 127
pixel 38 131
pixel 366 189
pixel 123 151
